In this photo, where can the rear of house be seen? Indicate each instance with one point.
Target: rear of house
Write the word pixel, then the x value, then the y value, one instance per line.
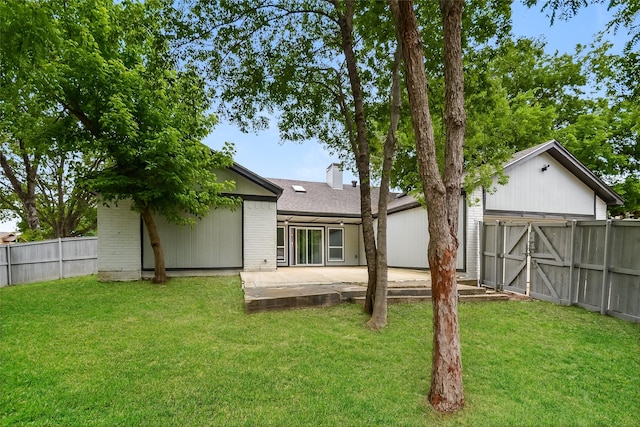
pixel 291 223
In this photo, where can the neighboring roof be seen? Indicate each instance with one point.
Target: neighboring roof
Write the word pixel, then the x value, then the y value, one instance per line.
pixel 8 237
pixel 319 199
pixel 566 159
pixel 257 179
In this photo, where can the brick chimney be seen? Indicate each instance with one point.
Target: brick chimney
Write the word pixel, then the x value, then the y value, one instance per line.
pixel 334 176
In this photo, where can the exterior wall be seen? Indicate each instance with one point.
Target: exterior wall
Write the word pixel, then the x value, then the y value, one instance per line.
pixel 119 249
pixel 363 254
pixel 213 242
pixel 351 245
pixel 475 211
pixel 532 192
pixel 408 238
pixel 601 208
pixel 259 236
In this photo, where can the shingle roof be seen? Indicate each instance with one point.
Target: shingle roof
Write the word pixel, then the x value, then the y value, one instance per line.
pixel 320 199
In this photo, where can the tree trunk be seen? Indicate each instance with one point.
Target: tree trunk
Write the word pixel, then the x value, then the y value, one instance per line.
pixel 159 273
pixel 26 191
pixel 446 393
pixel 379 316
pixel 362 155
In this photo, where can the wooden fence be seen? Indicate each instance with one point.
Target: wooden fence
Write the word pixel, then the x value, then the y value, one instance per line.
pixel 48 260
pixel 593 264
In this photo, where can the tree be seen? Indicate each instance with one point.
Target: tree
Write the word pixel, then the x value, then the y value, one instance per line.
pixel 441 189
pixel 38 137
pixel 606 137
pixel 110 68
pixel 304 60
pixel 325 66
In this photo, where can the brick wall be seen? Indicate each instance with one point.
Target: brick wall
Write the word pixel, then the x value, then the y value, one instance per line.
pixel 119 248
pixel 259 236
pixel 475 211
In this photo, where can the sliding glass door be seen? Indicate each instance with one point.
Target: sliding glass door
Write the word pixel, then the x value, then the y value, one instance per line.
pixel 309 246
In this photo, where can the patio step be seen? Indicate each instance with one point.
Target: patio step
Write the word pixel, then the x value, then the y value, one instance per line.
pixel 258 299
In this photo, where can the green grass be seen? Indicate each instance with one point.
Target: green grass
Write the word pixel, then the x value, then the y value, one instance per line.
pixel 82 353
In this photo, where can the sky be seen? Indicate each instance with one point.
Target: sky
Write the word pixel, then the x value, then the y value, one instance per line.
pixel 264 154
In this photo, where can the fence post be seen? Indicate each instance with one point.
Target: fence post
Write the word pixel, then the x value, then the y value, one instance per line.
pixel 604 302
pixel 572 260
pixel 9 281
pixel 60 266
pixel 497 266
pixel 481 243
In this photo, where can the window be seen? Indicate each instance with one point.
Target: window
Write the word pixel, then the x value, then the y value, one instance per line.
pixel 336 244
pixel 280 245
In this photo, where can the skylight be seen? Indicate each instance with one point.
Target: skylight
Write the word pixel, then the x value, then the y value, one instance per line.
pixel 298 189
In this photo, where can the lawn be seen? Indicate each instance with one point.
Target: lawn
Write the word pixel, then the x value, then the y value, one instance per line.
pixel 82 353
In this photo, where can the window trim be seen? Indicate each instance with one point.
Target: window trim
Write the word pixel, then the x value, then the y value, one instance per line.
pixel 283 246
pixel 330 246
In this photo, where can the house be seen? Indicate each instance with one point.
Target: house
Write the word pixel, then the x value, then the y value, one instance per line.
pixel 288 223
pixel 228 239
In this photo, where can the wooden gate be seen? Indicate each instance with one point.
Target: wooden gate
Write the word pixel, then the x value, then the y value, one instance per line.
pixel 515 257
pixel 551 250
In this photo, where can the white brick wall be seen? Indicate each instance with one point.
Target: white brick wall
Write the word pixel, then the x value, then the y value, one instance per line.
pixel 601 208
pixel 259 236
pixel 475 212
pixel 119 248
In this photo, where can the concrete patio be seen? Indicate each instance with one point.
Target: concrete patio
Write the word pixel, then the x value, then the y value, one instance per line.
pixel 298 287
pixel 296 276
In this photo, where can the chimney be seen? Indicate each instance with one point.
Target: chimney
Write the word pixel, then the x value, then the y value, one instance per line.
pixel 334 176
pixel 354 183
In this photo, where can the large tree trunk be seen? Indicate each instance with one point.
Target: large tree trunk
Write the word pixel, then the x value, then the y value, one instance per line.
pixel 159 273
pixel 26 191
pixel 379 316
pixel 361 151
pixel 446 393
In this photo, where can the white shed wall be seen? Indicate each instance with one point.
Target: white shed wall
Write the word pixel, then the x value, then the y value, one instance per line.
pixel 119 250
pixel 408 238
pixel 259 236
pixel 533 191
pixel 475 211
pixel 601 208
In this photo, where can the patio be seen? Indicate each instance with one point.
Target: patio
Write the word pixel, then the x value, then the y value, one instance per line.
pixel 297 287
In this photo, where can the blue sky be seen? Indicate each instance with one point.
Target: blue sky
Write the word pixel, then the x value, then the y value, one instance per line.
pixel 265 155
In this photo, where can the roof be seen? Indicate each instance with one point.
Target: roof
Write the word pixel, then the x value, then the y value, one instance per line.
pixel 8 237
pixel 319 199
pixel 401 202
pixel 257 179
pixel 573 165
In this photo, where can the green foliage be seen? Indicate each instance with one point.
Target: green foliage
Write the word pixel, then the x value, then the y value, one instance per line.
pixel 39 139
pixel 81 352
pixel 110 68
